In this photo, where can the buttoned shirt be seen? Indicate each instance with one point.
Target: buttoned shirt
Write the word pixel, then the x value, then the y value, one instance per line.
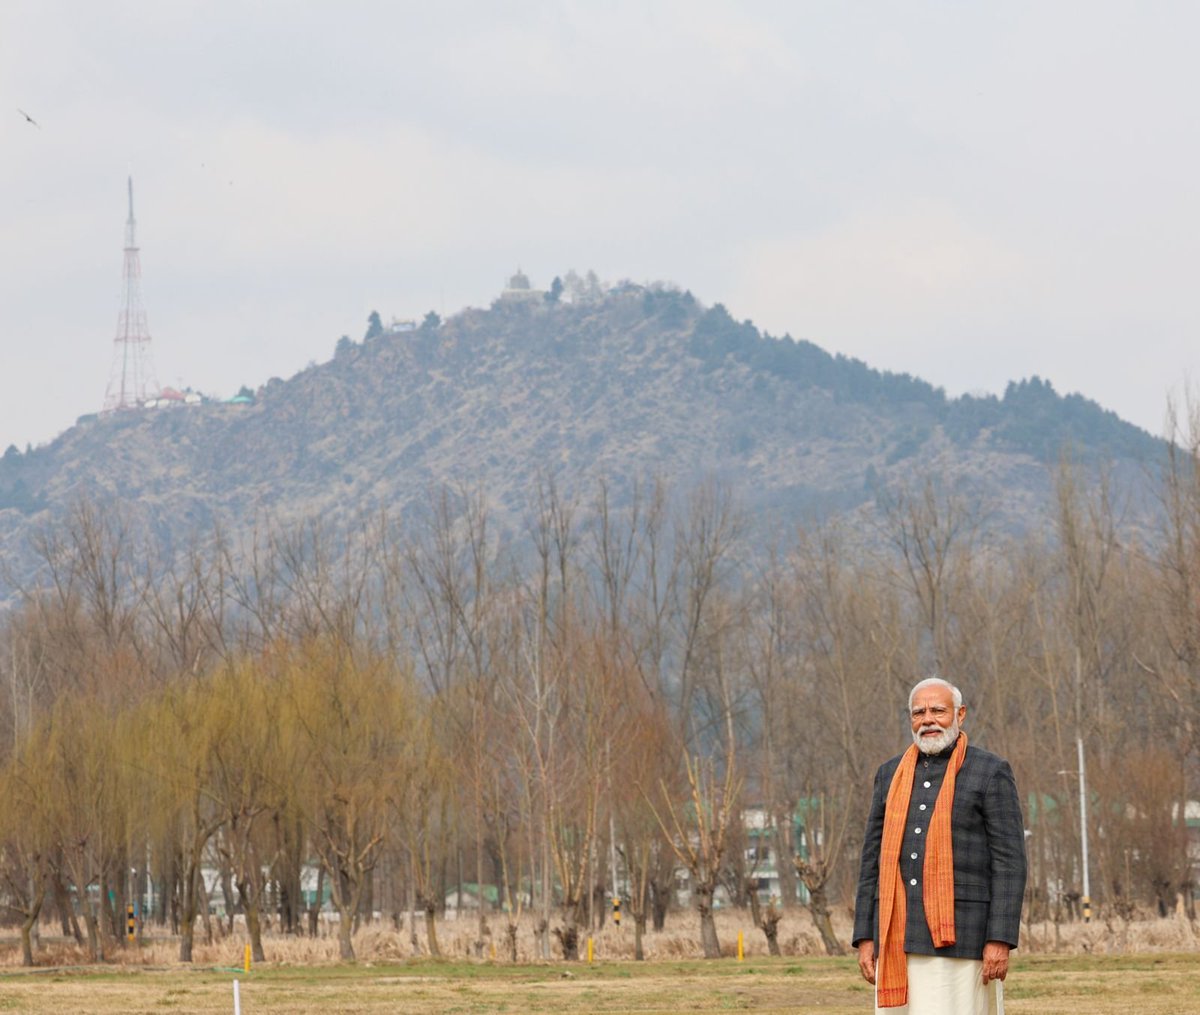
pixel 927 780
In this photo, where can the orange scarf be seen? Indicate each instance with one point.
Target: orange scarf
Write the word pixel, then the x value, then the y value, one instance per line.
pixel 938 882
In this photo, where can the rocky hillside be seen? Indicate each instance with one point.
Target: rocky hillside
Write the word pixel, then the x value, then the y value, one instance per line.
pixel 636 382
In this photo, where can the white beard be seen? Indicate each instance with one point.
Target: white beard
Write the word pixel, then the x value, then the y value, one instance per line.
pixel 937 744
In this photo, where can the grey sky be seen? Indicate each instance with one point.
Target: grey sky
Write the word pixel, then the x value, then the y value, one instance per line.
pixel 968 192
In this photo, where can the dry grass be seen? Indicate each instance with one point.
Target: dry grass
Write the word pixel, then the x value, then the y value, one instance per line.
pixel 1146 966
pixel 379 942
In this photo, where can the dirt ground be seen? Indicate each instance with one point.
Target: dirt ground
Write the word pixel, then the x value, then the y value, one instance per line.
pixel 1048 985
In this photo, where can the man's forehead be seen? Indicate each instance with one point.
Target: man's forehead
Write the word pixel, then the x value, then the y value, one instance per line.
pixel 934 693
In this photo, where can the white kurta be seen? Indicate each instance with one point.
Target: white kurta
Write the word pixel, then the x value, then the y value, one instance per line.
pixel 943 986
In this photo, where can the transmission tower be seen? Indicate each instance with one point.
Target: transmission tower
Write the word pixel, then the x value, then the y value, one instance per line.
pixel 131 381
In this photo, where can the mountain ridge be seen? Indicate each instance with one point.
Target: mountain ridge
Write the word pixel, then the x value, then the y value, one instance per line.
pixel 634 381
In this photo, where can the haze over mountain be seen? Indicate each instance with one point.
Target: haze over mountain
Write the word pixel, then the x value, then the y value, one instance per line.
pixel 620 382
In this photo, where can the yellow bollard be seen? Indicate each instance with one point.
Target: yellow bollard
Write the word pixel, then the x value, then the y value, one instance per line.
pixel 246 960
pixel 741 948
pixel 591 950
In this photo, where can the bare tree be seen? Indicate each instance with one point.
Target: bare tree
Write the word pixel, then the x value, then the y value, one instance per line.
pixel 931 533
pixel 699 833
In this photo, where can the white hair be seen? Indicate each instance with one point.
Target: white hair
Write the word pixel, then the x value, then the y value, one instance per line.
pixel 955 693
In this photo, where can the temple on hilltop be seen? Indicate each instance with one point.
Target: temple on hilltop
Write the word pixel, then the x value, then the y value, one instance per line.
pixel 519 290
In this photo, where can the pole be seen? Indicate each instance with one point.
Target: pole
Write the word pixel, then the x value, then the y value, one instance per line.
pixel 1083 833
pixel 1086 901
pixel 612 837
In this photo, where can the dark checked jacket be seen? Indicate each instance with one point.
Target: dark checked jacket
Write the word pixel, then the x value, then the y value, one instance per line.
pixel 988 838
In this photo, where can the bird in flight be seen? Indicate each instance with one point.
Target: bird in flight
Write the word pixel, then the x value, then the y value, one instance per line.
pixel 29 118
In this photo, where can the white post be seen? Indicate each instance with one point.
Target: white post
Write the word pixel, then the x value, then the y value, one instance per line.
pixel 237 999
pixel 1087 892
pixel 612 826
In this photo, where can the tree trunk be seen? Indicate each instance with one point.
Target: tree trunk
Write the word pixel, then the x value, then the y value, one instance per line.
pixel 818 906
pixel 768 923
pixel 366 908
pixel 346 894
pixel 708 926
pixel 568 940
pixel 511 931
pixel 431 929
pixel 345 937
pixel 188 904
pixel 185 943
pixel 231 900
pixel 600 906
pixel 94 948
pixel 660 899
pixel 205 914
pixel 254 929
pixel 110 905
pixel 639 929
pixel 483 933
pixel 411 894
pixel 314 911
pixel 27 927
pixel 66 912
pixel 770 929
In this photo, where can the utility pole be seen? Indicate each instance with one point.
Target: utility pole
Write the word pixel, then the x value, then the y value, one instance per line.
pixel 1083 832
pixel 1086 901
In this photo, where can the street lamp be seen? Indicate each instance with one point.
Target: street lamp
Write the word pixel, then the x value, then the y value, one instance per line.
pixel 1083 830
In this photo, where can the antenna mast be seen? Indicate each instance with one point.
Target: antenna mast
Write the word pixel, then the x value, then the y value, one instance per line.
pixel 131 381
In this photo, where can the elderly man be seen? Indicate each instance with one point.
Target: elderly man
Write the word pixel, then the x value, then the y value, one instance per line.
pixel 943 869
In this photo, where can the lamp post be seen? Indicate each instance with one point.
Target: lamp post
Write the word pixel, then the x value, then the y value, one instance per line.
pixel 1086 900
pixel 1083 833
pixel 1083 837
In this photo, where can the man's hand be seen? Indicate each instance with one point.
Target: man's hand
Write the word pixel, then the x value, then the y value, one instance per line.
pixel 866 959
pixel 995 961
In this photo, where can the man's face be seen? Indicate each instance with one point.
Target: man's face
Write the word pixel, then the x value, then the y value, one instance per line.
pixel 935 720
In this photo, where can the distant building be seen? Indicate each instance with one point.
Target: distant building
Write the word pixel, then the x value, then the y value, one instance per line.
pixel 519 290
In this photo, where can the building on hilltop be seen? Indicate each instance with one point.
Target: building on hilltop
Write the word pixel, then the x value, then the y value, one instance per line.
pixel 519 290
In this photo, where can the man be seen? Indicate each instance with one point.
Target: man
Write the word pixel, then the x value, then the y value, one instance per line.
pixel 943 869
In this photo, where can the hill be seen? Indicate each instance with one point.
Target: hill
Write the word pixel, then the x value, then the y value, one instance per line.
pixel 625 383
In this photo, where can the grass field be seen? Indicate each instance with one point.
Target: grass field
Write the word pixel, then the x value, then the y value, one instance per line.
pixel 1048 985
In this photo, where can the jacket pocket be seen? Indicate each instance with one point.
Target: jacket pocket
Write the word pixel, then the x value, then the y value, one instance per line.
pixel 972 891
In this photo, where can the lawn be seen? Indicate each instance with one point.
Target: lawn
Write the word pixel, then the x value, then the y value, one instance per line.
pixel 1045 984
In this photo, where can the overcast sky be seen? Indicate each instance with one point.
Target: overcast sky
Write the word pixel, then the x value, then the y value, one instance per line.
pixel 969 192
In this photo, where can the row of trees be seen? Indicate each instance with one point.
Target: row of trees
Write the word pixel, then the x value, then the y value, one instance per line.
pixel 592 704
